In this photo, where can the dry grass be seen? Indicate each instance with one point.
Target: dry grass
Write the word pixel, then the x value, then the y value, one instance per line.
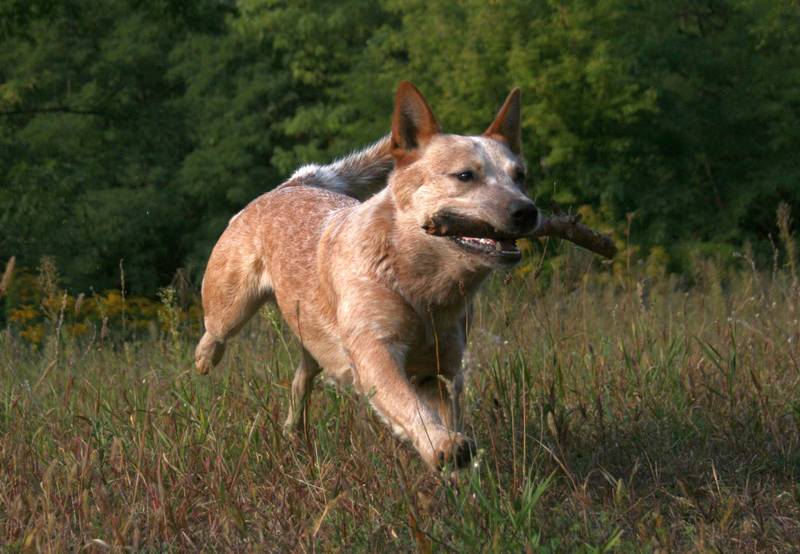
pixel 657 417
pixel 8 274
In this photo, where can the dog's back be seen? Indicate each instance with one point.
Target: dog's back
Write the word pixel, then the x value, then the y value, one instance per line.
pixel 250 254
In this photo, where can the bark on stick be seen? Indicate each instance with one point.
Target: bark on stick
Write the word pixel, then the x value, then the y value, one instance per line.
pixel 569 227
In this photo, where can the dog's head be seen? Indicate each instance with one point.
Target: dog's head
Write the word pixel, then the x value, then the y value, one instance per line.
pixel 467 191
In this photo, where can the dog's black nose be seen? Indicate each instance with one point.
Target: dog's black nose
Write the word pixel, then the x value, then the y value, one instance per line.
pixel 524 215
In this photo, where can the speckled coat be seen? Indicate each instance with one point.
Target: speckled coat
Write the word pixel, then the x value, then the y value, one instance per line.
pixel 378 291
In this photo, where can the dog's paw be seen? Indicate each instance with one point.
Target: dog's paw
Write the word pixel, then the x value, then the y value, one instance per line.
pixel 456 451
pixel 202 365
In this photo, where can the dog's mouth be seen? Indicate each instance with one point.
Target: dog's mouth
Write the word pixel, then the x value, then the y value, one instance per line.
pixel 474 236
pixel 506 248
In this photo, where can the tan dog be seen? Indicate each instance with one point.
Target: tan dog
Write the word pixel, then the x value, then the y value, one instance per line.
pixel 378 292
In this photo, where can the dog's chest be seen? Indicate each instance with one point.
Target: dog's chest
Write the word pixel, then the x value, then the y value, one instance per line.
pixel 438 347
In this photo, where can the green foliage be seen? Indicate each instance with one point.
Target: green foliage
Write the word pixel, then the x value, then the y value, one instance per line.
pixel 91 140
pixel 135 130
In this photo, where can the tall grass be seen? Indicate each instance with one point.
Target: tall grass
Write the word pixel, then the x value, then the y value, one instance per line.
pixel 610 413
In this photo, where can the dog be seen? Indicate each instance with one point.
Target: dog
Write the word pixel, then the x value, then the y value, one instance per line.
pixel 378 291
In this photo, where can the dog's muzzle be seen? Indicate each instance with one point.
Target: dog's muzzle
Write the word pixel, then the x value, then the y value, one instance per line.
pixel 478 237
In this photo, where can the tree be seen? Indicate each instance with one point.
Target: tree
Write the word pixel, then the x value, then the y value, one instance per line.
pixel 136 130
pixel 91 139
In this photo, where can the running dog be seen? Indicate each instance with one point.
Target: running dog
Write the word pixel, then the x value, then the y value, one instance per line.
pixel 378 291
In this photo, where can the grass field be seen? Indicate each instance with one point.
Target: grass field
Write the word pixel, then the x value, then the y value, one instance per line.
pixel 624 414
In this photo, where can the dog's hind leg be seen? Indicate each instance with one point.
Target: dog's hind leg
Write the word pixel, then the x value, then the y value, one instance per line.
pixel 230 299
pixel 208 353
pixel 301 391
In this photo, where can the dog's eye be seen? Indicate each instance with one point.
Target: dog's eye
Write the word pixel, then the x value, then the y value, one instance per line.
pixel 465 176
pixel 519 175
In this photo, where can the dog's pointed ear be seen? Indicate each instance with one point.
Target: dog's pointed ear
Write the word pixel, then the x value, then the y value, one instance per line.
pixel 413 122
pixel 507 123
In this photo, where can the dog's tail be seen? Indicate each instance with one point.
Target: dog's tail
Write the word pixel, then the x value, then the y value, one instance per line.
pixel 360 174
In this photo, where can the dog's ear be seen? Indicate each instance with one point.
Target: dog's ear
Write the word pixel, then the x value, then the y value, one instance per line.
pixel 413 122
pixel 506 126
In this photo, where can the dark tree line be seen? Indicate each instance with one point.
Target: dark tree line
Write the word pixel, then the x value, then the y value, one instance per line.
pixel 136 129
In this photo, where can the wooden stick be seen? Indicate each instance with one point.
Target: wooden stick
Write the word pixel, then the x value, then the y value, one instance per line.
pixel 569 227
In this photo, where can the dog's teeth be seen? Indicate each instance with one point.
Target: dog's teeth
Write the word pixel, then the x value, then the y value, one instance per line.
pixel 498 246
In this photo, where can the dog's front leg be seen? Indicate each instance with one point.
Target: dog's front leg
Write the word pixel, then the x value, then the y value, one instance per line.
pixel 445 398
pixel 379 374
